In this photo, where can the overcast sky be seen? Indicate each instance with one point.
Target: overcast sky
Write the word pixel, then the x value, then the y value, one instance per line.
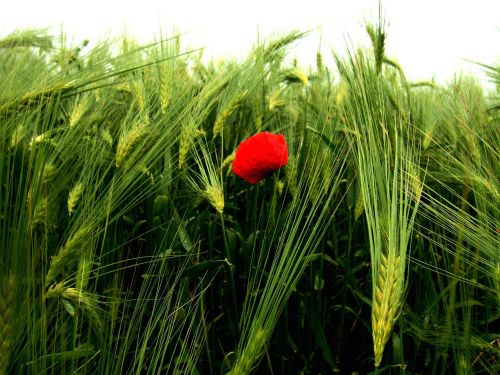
pixel 429 38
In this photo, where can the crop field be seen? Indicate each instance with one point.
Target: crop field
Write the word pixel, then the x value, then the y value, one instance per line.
pixel 160 214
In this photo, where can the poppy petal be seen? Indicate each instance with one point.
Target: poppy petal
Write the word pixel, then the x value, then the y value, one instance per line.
pixel 260 155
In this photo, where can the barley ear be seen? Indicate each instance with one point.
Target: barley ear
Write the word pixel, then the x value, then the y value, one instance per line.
pixel 67 255
pixel 295 75
pixel 40 214
pixel 228 162
pixel 107 137
pixel 188 134
pixel 74 197
pixel 319 62
pixel 251 354
pixel 291 175
pixel 140 97
pixel 386 302
pixel 359 206
pixel 164 88
pixel 18 135
pixel 224 116
pixel 79 109
pixel 275 100
pixel 127 142
pixel 74 298
pixel 215 196
pixel 48 173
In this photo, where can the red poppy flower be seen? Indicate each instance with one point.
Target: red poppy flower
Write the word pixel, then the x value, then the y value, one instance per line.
pixel 260 155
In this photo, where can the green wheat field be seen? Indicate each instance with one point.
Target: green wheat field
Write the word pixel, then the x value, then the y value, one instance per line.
pixel 129 246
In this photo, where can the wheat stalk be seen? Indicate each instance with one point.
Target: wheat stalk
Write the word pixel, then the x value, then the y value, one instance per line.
pixel 496 276
pixel 7 288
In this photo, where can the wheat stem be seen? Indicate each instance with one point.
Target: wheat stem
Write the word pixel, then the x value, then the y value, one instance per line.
pixel 7 288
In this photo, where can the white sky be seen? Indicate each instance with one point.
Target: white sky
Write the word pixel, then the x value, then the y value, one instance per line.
pixel 429 38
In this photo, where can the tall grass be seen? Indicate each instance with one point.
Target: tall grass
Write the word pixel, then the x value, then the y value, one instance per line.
pixel 127 245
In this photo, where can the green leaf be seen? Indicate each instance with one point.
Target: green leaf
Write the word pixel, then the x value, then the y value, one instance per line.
pixel 321 341
pixel 202 267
